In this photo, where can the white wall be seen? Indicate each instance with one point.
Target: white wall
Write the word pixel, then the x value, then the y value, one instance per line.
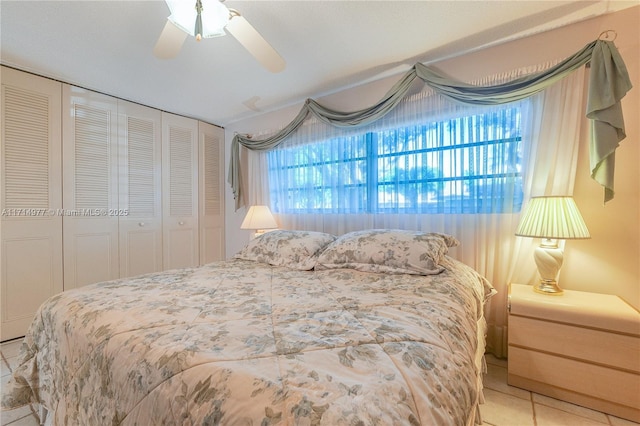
pixel 610 261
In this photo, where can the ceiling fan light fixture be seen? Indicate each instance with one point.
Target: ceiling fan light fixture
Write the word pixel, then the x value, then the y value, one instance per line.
pixel 211 18
pixel 211 22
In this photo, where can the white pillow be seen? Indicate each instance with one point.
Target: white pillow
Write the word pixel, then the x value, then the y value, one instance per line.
pixel 293 249
pixel 390 251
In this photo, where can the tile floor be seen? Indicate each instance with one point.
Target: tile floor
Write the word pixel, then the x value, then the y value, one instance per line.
pixel 505 405
pixel 25 416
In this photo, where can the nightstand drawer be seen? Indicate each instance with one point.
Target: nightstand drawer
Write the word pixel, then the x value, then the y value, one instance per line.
pixel 580 347
pixel 619 387
pixel 595 346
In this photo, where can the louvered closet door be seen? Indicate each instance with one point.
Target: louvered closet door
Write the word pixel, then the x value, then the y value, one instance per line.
pixel 180 191
pixel 31 195
pixel 90 196
pixel 140 181
pixel 211 144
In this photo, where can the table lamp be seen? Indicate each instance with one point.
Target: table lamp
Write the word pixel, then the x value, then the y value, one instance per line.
pixel 551 218
pixel 259 218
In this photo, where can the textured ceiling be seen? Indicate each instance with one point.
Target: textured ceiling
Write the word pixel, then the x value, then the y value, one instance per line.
pixel 328 45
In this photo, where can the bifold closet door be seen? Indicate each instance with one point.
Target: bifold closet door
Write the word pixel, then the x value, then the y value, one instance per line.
pixel 179 191
pixel 31 197
pixel 211 186
pixel 90 196
pixel 140 180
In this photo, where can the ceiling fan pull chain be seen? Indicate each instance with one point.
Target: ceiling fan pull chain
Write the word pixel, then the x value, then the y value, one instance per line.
pixel 198 29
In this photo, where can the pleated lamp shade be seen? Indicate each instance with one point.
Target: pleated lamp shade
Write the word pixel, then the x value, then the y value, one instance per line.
pixel 259 217
pixel 554 217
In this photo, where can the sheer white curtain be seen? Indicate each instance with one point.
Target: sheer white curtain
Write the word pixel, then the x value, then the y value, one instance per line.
pixel 551 158
pixel 550 135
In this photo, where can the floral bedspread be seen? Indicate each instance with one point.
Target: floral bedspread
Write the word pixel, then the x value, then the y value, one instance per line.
pixel 245 343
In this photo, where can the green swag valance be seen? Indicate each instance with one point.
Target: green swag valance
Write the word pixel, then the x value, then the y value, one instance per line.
pixel 608 83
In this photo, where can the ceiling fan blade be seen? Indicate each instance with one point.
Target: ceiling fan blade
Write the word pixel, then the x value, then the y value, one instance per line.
pixel 170 41
pixel 251 39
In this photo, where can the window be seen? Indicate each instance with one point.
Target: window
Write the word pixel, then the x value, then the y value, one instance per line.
pixel 468 164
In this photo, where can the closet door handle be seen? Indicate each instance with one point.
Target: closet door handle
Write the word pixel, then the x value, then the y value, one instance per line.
pixel 141 224
pixel 181 223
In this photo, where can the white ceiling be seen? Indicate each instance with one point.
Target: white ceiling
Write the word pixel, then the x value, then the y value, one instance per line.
pixel 328 45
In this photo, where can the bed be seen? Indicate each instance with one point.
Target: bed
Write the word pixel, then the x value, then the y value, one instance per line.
pixel 375 327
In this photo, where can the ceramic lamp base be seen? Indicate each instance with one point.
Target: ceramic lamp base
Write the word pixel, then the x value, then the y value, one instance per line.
pixel 548 257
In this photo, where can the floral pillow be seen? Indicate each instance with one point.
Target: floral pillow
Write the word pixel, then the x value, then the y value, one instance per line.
pixel 293 249
pixel 388 251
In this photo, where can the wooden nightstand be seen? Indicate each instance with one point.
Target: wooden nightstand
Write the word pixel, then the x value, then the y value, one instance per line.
pixel 581 347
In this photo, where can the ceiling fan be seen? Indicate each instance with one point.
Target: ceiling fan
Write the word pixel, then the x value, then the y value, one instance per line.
pixel 210 18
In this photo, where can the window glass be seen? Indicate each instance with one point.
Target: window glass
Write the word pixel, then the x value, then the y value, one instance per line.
pixel 470 164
